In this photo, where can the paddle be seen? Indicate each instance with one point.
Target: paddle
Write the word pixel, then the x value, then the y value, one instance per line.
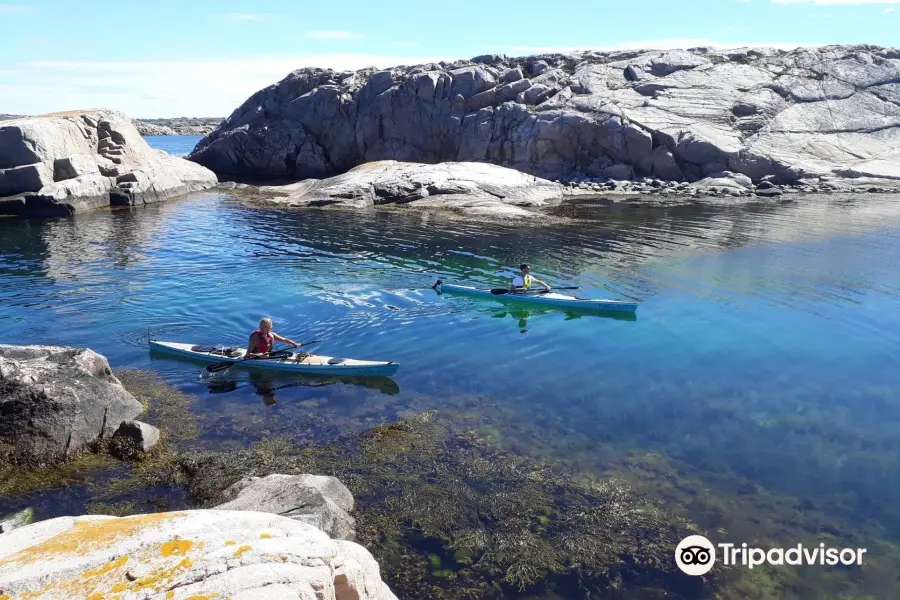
pixel 501 291
pixel 218 367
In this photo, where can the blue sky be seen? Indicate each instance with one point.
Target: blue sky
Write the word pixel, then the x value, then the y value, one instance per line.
pixel 168 58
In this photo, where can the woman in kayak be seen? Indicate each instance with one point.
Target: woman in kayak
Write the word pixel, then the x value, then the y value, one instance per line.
pixel 522 282
pixel 263 339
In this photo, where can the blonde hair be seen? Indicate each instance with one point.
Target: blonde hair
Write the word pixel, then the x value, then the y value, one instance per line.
pixel 265 321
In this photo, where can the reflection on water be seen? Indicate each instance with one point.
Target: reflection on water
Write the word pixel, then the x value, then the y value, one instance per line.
pixel 266 384
pixel 765 353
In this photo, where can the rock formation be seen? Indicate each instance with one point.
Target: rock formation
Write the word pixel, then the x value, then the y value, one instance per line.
pixel 65 163
pixel 181 555
pixel 675 115
pixel 323 502
pixel 54 401
pixel 474 188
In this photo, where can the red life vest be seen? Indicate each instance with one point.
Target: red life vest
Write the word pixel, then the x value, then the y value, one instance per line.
pixel 264 342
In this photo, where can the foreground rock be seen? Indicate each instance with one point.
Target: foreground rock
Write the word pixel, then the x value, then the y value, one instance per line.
pixel 474 188
pixel 65 163
pixel 54 401
pixel 672 115
pixel 323 502
pixel 191 554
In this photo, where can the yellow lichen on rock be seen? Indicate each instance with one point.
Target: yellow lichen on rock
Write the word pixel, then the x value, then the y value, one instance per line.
pixel 179 547
pixel 88 536
pixel 115 564
pixel 265 536
pixel 240 551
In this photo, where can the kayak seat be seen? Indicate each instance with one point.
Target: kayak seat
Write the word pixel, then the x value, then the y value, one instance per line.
pixel 228 352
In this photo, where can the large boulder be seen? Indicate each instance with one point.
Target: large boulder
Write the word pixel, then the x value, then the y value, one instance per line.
pixel 54 401
pixel 182 555
pixel 668 114
pixel 473 188
pixel 323 502
pixel 64 163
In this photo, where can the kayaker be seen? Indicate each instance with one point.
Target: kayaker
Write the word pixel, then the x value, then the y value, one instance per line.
pixel 524 279
pixel 263 339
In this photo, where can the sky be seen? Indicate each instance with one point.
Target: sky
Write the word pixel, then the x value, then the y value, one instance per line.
pixel 168 58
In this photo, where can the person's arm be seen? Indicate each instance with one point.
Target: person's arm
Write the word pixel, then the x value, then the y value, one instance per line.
pixel 536 280
pixel 278 338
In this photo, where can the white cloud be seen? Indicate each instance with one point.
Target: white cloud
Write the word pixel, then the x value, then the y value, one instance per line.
pixel 165 88
pixel 889 10
pixel 836 2
pixel 334 35
pixel 11 9
pixel 236 16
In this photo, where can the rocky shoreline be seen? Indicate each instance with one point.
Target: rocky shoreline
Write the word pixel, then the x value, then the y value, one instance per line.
pixel 173 126
pixel 65 163
pixel 681 115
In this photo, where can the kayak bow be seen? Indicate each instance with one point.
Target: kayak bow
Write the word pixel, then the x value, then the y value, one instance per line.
pixel 296 362
pixel 541 298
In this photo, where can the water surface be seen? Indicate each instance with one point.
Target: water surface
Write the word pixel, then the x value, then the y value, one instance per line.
pixel 765 350
pixel 176 145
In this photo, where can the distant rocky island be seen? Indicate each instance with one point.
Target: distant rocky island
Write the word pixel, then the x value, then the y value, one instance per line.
pixel 173 126
pixel 178 126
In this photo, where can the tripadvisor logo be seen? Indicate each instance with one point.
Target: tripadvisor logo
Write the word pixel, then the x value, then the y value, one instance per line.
pixel 696 555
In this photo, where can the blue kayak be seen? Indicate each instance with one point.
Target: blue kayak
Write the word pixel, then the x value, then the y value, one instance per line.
pixel 539 297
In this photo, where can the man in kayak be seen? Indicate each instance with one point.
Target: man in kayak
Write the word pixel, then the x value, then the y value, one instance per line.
pixel 522 282
pixel 263 339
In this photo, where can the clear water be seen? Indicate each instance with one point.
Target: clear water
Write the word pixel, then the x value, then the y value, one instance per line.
pixel 176 145
pixel 765 351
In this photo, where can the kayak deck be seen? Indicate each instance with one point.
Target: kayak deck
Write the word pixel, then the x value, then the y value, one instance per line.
pixel 547 299
pixel 297 362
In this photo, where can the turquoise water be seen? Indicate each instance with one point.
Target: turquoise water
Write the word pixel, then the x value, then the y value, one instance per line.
pixel 176 145
pixel 765 348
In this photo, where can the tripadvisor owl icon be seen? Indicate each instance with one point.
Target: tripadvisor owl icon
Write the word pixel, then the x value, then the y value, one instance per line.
pixel 695 555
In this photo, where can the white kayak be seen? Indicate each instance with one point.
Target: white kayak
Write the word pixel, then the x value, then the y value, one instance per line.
pixel 297 362
pixel 540 298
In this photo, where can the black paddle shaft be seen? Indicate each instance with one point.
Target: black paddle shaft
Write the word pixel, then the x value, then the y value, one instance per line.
pixel 501 291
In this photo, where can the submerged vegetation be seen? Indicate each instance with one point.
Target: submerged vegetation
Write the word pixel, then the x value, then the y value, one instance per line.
pixel 475 501
pixel 449 515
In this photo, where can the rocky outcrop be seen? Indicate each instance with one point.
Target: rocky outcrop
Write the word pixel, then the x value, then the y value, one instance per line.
pixel 191 554
pixel 672 115
pixel 473 188
pixel 65 163
pixel 177 126
pixel 133 438
pixel 54 401
pixel 323 502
